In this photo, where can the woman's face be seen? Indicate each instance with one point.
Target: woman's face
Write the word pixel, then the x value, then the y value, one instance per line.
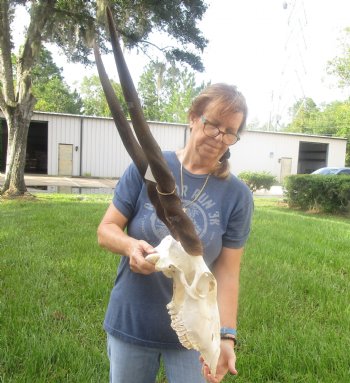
pixel 211 123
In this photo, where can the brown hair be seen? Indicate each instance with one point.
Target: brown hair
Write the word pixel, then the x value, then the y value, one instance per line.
pixel 226 99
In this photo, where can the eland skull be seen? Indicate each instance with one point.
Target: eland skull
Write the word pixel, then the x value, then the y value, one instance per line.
pixel 193 309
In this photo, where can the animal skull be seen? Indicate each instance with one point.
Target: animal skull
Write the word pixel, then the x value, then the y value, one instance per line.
pixel 193 309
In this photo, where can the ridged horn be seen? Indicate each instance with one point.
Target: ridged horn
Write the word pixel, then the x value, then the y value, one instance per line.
pixel 162 194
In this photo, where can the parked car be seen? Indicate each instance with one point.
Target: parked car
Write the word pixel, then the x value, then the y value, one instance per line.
pixel 331 170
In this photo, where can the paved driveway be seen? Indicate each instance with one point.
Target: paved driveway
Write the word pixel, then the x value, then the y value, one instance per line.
pixel 86 182
pixel 99 183
pixel 275 191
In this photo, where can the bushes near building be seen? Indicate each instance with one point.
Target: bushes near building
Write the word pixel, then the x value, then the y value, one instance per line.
pixel 323 193
pixel 257 180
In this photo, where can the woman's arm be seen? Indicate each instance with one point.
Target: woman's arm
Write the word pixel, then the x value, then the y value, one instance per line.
pixel 226 271
pixel 111 236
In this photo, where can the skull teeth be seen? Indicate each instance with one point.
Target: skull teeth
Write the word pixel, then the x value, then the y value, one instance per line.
pixel 193 310
pixel 182 332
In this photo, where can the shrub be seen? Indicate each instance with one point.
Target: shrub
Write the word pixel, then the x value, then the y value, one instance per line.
pixel 325 193
pixel 257 180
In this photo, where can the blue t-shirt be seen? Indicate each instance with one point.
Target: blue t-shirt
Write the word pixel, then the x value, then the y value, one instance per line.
pixel 222 217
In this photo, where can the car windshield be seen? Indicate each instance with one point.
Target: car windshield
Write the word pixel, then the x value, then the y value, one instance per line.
pixel 326 171
pixel 331 171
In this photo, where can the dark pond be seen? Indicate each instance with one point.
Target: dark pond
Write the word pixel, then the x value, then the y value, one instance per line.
pixel 70 189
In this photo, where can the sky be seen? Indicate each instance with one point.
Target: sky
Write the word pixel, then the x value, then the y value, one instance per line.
pixel 274 51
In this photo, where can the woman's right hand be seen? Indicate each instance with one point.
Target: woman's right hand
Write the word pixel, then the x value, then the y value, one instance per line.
pixel 113 237
pixel 137 253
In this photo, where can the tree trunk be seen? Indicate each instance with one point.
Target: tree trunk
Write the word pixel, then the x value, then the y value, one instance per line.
pixel 18 120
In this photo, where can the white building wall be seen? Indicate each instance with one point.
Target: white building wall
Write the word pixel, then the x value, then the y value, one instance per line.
pixel 100 152
pixel 169 136
pixel 97 147
pixel 104 154
pixel 336 153
pixel 262 151
pixel 62 129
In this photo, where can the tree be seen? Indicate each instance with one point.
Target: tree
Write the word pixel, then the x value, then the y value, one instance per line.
pixel 71 25
pixel 340 66
pixel 339 112
pixel 150 89
pixel 328 119
pixel 55 96
pixel 50 90
pixel 166 92
pixel 335 120
pixel 182 89
pixel 256 125
pixel 331 119
pixel 303 113
pixel 94 100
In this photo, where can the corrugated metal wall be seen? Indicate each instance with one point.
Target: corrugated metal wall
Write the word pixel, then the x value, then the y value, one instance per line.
pixel 98 150
pixel 62 129
pixel 262 151
pixel 104 154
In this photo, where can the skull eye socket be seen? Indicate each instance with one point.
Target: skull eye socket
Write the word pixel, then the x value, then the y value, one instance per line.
pixel 190 277
pixel 205 284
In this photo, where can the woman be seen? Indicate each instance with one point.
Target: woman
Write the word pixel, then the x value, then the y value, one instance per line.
pixel 137 323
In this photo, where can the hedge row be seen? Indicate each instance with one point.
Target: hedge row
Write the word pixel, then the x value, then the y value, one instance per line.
pixel 257 180
pixel 324 193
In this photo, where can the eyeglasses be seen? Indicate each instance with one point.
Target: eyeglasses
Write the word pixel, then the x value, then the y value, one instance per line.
pixel 212 130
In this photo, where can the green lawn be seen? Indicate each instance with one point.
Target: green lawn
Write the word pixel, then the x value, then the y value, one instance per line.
pixel 294 319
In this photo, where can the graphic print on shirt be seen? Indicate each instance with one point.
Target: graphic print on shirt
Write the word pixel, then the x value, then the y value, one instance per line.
pixel 202 213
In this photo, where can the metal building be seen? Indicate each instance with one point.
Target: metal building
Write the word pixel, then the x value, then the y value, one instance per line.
pixel 74 145
pixel 282 154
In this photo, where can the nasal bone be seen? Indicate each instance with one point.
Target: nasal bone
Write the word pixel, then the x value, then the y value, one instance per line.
pixel 153 258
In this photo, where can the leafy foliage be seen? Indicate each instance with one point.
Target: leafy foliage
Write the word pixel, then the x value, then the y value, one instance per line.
pixel 340 66
pixel 325 193
pixel 94 100
pixel 331 119
pixel 257 180
pixel 303 111
pixel 73 26
pixel 75 21
pixel 55 96
pixel 166 92
pixel 50 90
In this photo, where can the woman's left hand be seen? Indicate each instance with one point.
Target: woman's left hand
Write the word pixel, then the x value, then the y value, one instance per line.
pixel 227 362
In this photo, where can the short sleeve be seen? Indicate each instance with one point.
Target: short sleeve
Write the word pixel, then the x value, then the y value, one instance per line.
pixel 127 191
pixel 239 224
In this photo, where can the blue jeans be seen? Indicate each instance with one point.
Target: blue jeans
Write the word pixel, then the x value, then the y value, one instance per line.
pixel 130 363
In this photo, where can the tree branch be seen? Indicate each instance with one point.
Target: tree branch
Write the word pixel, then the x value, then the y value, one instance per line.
pixel 40 16
pixel 6 72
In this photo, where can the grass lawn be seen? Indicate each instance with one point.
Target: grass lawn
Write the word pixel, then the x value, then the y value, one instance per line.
pixel 294 317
